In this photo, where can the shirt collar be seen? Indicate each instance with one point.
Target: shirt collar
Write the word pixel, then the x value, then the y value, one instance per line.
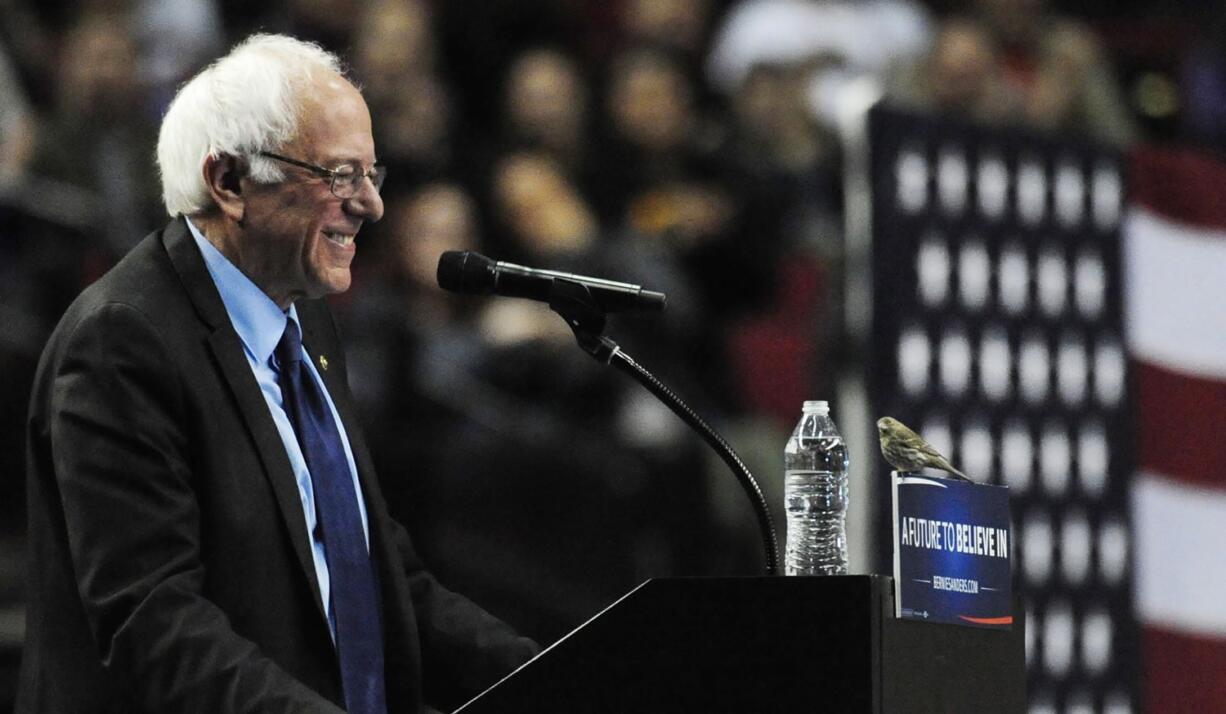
pixel 256 318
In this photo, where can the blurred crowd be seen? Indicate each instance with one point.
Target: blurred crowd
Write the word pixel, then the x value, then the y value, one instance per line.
pixel 692 146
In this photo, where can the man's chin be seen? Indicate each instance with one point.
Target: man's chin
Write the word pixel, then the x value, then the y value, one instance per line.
pixel 333 283
pixel 337 283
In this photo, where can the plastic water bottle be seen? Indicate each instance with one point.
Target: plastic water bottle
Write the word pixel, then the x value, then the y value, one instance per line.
pixel 815 495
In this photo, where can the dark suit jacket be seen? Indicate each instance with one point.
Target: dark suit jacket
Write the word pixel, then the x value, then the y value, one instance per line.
pixel 170 569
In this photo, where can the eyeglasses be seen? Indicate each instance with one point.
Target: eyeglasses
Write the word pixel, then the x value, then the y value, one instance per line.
pixel 344 179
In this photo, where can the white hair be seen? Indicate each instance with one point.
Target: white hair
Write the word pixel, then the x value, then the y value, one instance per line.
pixel 244 103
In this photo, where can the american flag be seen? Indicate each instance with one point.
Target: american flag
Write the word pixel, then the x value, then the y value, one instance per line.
pixel 1175 250
pixel 998 332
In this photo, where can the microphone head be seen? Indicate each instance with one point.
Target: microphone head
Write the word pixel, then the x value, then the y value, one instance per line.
pixel 466 272
pixel 652 300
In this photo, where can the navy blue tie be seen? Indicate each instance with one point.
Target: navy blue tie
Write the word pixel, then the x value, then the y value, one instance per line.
pixel 354 605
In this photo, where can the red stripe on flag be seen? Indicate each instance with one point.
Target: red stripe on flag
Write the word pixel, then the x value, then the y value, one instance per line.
pixel 1183 673
pixel 1180 185
pixel 1006 620
pixel 1180 431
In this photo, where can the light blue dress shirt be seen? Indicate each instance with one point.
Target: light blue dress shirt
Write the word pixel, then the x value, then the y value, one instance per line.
pixel 260 324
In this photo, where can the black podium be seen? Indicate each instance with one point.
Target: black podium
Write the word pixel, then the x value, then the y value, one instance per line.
pixel 758 645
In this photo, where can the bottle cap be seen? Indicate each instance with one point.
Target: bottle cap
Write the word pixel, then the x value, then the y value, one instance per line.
pixel 817 407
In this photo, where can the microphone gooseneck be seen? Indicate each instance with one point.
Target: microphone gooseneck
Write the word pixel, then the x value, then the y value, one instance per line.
pixel 583 303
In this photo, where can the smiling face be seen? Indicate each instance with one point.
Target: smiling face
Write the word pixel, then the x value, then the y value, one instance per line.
pixel 297 237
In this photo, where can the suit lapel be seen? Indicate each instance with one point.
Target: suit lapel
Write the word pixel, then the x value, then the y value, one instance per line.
pixel 227 349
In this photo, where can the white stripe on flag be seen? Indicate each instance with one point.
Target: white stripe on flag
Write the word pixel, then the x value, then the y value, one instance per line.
pixel 1175 298
pixel 1180 564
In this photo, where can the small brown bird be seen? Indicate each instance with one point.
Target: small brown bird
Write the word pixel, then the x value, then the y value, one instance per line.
pixel 907 451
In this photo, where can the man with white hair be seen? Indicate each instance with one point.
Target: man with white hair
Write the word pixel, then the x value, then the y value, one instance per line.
pixel 206 531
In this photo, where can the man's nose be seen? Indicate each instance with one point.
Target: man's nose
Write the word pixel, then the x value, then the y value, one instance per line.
pixel 366 203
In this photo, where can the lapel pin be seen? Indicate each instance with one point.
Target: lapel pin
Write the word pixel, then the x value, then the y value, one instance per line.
pixel 323 363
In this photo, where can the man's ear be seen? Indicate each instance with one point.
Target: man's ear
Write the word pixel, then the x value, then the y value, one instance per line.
pixel 223 174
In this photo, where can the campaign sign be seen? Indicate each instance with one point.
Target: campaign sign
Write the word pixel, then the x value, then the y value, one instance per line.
pixel 952 559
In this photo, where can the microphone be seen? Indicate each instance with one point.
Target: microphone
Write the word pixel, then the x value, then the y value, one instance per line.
pixel 471 273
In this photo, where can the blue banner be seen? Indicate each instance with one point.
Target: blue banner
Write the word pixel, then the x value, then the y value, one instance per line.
pixel 952 545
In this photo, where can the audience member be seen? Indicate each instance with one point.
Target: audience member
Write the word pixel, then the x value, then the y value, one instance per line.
pixel 100 139
pixel 395 39
pixel 1202 79
pixel 415 349
pixel 16 125
pixel 174 38
pixel 395 58
pixel 789 243
pixel 680 28
pixel 478 39
pixel 961 76
pixel 838 39
pixel 659 171
pixel 546 100
pixel 1059 69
